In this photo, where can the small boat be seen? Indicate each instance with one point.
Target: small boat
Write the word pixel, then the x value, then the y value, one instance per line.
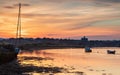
pixel 111 51
pixel 9 52
pixel 88 49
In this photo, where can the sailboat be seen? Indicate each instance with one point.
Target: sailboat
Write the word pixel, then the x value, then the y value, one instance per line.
pixel 9 52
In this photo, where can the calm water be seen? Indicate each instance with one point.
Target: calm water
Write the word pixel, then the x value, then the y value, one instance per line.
pixel 75 61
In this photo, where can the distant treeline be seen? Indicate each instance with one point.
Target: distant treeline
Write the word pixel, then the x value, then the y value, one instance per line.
pixel 28 43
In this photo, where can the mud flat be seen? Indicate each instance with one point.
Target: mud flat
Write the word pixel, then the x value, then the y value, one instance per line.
pixel 25 66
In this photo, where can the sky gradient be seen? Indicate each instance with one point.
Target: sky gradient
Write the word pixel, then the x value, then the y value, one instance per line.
pixel 96 19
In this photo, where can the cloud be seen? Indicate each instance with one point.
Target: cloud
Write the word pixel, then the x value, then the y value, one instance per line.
pixel 22 4
pixel 89 21
pixel 49 15
pixel 113 1
pixel 16 5
pixel 78 1
pixel 68 22
pixel 9 7
pixel 67 1
pixel 79 26
pixel 59 16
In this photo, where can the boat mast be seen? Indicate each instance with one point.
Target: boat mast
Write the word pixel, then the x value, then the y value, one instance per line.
pixel 18 32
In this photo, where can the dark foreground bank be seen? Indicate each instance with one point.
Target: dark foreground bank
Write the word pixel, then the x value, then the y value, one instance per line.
pixel 16 68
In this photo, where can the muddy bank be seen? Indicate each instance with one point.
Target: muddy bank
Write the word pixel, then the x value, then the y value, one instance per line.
pixel 17 68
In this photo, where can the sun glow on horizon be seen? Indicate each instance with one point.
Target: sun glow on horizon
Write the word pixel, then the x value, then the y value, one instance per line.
pixel 71 19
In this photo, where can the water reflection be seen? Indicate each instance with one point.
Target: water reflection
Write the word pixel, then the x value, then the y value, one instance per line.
pixel 64 62
pixel 77 62
pixel 46 64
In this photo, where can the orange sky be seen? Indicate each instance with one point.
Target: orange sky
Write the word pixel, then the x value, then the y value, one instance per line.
pixel 96 19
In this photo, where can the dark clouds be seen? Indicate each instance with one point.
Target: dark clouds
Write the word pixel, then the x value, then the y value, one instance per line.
pixel 23 4
pixel 9 7
pixel 15 5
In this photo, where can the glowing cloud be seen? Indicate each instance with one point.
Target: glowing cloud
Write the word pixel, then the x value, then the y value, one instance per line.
pixel 62 18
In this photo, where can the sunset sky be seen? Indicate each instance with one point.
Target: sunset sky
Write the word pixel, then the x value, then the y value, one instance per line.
pixel 96 19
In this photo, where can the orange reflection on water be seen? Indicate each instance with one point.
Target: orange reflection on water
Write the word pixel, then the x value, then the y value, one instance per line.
pixel 35 58
pixel 96 63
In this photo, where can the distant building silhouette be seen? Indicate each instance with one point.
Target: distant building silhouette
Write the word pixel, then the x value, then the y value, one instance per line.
pixel 84 39
pixel 84 42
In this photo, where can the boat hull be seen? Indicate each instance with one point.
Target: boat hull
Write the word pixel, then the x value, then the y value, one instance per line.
pixel 110 52
pixel 7 57
pixel 87 49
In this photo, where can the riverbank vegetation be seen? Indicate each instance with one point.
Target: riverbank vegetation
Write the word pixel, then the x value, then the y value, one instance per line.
pixel 44 43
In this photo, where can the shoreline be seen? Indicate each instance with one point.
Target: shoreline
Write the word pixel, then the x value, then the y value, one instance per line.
pixel 56 47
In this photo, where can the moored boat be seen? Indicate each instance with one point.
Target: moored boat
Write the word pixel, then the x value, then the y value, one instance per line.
pixel 111 51
pixel 88 49
pixel 9 52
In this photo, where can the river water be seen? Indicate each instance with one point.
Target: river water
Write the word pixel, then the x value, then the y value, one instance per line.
pixel 73 61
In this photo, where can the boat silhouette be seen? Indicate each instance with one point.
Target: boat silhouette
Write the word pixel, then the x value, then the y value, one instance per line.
pixel 88 49
pixel 9 52
pixel 111 51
